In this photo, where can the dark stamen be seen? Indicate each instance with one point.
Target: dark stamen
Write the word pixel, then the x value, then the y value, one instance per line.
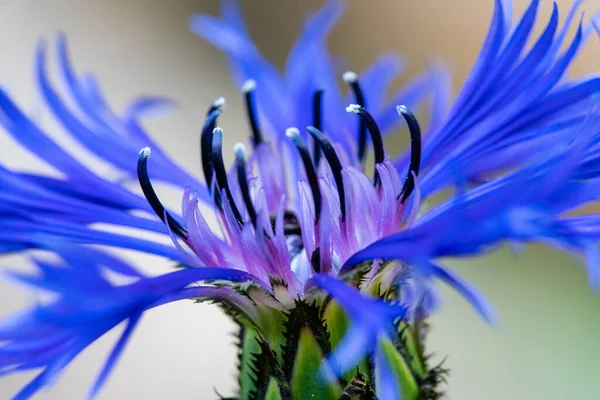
pixel 290 218
pixel 291 225
pixel 150 194
pixel 240 160
pixel 334 164
pixel 315 260
pixel 248 89
pixel 289 229
pixel 311 175
pixel 206 141
pixel 415 151
pixel 221 174
pixel 375 133
pixel 317 103
pixel 351 80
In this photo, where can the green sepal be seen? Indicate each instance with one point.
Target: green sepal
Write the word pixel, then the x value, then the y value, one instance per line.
pixel 429 385
pixel 337 322
pixel 248 348
pixel 408 385
pixel 306 381
pixel 357 275
pixel 270 312
pixel 358 389
pixel 414 356
pixel 264 367
pixel 303 315
pixel 273 391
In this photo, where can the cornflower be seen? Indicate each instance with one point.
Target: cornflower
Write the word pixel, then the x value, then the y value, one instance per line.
pixel 327 264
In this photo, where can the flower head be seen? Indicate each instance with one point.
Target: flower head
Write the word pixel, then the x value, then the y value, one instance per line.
pixel 323 260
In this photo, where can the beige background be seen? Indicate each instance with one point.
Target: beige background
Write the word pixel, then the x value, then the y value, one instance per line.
pixel 546 346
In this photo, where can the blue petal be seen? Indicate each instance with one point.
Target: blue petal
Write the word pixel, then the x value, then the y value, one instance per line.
pixel 487 55
pixel 378 78
pixel 386 382
pixel 115 141
pixel 36 234
pixel 309 67
pixel 369 319
pixel 355 345
pixel 489 122
pixel 85 307
pixel 523 206
pixel 248 63
pixel 114 355
pixel 479 302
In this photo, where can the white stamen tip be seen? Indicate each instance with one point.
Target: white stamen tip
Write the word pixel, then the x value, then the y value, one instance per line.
pixel 239 150
pixel 217 131
pixel 220 102
pixel 350 77
pixel 249 86
pixel 292 132
pixel 145 152
pixel 353 108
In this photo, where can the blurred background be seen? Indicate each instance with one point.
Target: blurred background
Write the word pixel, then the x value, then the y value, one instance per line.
pixel 546 345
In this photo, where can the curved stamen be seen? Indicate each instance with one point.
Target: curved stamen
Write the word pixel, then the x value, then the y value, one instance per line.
pixel 334 164
pixel 317 103
pixel 375 133
pixel 248 89
pixel 311 175
pixel 415 151
pixel 351 80
pixel 221 174
pixel 214 112
pixel 240 160
pixel 150 194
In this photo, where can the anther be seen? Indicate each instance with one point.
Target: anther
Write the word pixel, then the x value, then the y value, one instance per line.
pixel 248 89
pixel 415 151
pixel 311 174
pixel 150 194
pixel 334 164
pixel 221 174
pixel 240 160
pixel 374 131
pixel 351 80
pixel 317 103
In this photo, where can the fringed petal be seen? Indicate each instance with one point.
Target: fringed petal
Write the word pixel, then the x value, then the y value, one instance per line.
pixel 51 335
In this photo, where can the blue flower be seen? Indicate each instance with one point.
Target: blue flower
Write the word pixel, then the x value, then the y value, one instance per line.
pixel 298 214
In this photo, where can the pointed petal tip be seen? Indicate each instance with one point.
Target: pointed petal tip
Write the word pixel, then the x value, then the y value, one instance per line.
pixel 195 23
pixel 61 40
